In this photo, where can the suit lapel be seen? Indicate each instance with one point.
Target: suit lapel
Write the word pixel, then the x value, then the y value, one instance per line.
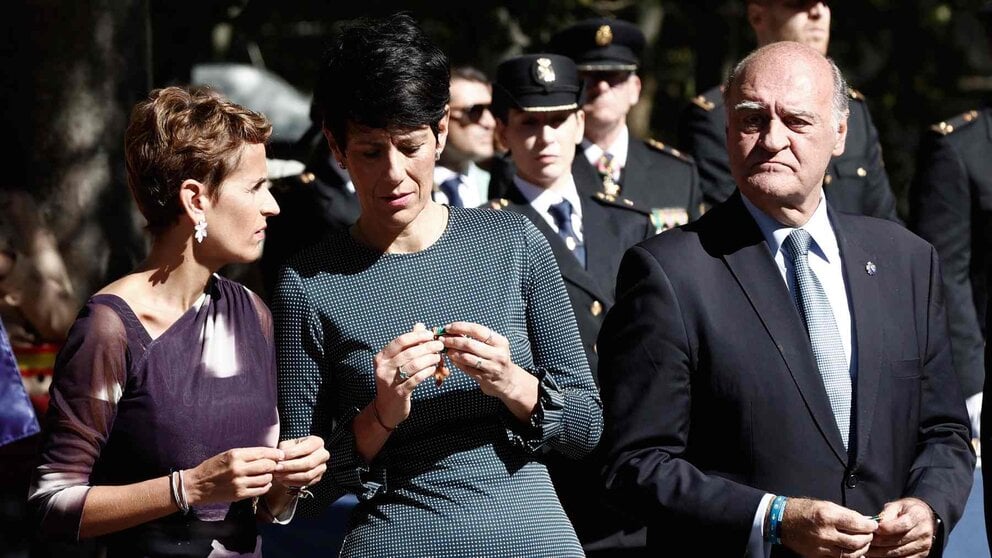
pixel 865 304
pixel 755 270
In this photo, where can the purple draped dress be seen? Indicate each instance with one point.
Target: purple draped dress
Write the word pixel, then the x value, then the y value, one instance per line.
pixel 127 408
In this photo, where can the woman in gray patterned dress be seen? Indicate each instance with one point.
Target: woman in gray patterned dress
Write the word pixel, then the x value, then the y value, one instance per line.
pixel 441 468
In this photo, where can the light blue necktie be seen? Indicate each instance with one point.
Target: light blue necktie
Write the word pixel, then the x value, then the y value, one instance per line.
pixel 824 335
pixel 561 212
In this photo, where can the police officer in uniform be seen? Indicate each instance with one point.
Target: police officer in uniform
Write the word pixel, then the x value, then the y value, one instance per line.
pixel 607 54
pixel 855 181
pixel 312 204
pixel 536 100
pixel 951 207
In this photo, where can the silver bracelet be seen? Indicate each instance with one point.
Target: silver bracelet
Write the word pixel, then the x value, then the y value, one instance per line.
pixel 178 489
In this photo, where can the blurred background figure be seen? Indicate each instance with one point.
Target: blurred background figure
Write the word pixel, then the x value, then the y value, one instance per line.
pixel 607 53
pixel 855 181
pixel 316 202
pixel 537 101
pixel 460 181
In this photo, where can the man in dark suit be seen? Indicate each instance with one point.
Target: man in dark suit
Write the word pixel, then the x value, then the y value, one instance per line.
pixel 854 182
pixel 776 376
pixel 536 103
pixel 607 53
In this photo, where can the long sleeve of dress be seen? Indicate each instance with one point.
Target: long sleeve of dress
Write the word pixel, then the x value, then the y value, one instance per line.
pixel 90 374
pixel 303 377
pixel 569 418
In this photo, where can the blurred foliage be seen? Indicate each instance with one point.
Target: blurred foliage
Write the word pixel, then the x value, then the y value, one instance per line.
pixel 916 61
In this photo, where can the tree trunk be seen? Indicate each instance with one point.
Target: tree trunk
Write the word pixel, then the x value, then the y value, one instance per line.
pixel 72 70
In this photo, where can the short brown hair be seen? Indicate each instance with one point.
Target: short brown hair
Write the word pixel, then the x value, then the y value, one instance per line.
pixel 181 133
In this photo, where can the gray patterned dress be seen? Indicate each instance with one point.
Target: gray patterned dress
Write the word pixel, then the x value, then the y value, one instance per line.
pixel 461 476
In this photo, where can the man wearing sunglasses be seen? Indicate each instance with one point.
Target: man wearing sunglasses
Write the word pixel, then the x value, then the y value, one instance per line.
pixel 458 179
pixel 607 54
pixel 855 182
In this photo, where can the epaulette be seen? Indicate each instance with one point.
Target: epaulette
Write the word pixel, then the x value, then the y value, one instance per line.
pixel 498 203
pixel 951 124
pixel 705 102
pixel 657 145
pixel 621 202
pixel 855 94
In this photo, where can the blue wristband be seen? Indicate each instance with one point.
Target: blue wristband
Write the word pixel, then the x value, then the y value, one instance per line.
pixel 774 534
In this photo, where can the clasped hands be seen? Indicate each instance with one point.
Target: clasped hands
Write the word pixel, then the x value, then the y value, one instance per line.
pixel 905 528
pixel 242 473
pixel 412 358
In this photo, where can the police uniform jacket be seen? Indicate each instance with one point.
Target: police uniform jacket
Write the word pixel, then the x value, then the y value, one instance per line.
pixel 951 207
pixel 855 182
pixel 610 225
pixel 657 177
pixel 312 204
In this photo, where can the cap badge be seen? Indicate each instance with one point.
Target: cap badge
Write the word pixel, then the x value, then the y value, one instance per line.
pixel 604 35
pixel 543 71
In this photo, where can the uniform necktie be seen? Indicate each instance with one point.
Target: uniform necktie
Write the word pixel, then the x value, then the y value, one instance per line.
pixel 824 336
pixel 450 189
pixel 607 171
pixel 562 214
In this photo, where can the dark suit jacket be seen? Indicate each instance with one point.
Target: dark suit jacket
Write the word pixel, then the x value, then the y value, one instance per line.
pixel 951 207
pixel 609 228
pixel 712 395
pixel 855 182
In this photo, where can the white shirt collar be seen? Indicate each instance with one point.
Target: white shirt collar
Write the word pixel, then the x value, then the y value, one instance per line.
pixel 819 227
pixel 543 198
pixel 618 149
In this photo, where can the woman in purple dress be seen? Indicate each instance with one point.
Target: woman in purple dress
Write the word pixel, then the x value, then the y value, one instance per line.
pixel 170 367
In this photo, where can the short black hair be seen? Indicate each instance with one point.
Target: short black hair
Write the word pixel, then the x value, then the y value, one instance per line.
pixel 382 73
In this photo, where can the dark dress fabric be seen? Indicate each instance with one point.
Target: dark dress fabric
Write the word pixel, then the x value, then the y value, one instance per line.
pixel 460 476
pixel 127 408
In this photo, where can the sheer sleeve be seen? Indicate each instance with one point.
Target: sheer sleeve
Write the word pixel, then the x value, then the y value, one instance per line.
pixel 90 374
pixel 569 415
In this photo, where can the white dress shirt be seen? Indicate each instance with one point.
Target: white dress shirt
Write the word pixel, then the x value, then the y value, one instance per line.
pixel 618 149
pixel 825 263
pixel 541 199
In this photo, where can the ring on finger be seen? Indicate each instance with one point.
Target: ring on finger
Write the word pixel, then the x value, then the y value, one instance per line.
pixel 401 373
pixel 489 338
pixel 478 364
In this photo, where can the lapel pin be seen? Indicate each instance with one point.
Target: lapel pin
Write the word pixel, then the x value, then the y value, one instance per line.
pixel 870 268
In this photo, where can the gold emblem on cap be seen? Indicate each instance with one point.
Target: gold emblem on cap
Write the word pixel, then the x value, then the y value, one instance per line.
pixel 544 71
pixel 604 35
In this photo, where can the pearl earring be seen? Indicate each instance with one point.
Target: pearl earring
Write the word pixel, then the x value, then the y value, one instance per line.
pixel 200 230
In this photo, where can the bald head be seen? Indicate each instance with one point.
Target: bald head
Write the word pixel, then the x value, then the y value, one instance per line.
pixel 793 55
pixel 786 117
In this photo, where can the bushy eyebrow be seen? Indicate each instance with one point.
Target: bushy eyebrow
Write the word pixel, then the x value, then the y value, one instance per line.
pixel 757 106
pixel 750 105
